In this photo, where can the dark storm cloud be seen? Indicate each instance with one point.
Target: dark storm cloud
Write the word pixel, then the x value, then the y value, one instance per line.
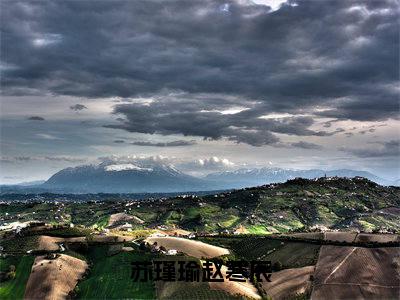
pixel 36 118
pixel 168 116
pixel 78 107
pixel 203 116
pixel 340 55
pixel 306 145
pixel 178 143
pixel 385 149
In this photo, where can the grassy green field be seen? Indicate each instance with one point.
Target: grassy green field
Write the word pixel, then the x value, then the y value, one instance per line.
pixel 245 247
pixel 257 229
pixel 109 277
pixel 19 245
pixel 102 222
pixel 15 288
pixel 295 255
pixel 290 254
pixel 5 262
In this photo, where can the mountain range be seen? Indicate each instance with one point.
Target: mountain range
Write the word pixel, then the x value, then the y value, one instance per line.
pixel 258 176
pixel 154 177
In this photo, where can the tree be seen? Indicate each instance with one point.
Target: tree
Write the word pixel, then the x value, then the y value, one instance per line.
pixel 142 246
pixel 277 266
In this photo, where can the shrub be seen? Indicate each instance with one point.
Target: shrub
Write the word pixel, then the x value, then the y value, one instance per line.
pixel 277 266
pixel 11 275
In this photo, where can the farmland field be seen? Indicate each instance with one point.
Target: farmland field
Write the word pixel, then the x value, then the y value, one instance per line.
pixel 109 277
pixel 246 288
pixel 255 247
pixel 290 254
pixel 15 288
pixel 190 290
pixel 352 272
pixel 295 255
pixel 190 247
pixel 248 248
pixel 257 229
pixel 288 283
pixel 54 278
pixel 380 238
pixel 308 235
pixel 340 236
pixel 262 223
pixel 19 245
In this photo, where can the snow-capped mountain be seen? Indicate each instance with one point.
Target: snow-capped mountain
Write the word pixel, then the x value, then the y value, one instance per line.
pixel 135 177
pixel 157 176
pixel 125 167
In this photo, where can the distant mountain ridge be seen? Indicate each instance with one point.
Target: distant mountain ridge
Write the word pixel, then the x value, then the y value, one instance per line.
pixel 258 176
pixel 124 178
pixel 157 177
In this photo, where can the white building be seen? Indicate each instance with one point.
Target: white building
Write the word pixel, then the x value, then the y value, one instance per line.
pixel 172 252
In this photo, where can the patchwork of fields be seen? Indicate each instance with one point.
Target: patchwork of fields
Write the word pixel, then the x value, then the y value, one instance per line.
pixel 316 233
pixel 303 264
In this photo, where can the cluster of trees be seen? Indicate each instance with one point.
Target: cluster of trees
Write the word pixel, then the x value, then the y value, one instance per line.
pixel 10 274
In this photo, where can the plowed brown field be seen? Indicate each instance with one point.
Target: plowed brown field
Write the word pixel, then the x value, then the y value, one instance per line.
pixel 54 278
pixel 352 273
pixel 193 248
pixel 379 238
pixel 287 283
pixel 348 237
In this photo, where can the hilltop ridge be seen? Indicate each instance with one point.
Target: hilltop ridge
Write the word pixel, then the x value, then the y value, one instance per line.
pixel 299 204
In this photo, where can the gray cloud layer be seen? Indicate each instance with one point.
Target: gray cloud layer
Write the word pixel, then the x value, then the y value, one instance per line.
pixel 306 145
pixel 36 118
pixel 196 116
pixel 17 159
pixel 78 107
pixel 198 59
pixel 178 143
pixel 385 149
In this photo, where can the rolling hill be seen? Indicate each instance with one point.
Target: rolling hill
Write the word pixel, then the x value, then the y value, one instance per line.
pixel 296 205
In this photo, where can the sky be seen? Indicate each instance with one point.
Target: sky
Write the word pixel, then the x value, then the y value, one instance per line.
pixel 205 85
